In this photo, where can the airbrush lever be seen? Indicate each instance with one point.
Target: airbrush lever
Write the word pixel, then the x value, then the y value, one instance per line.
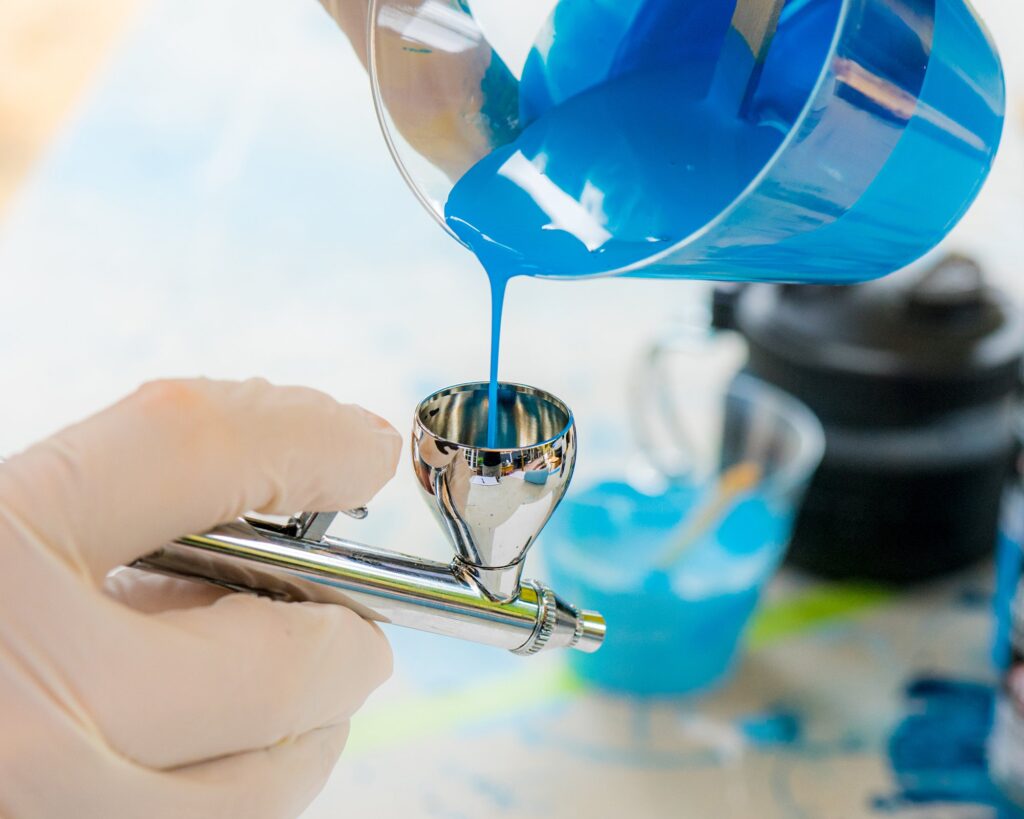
pixel 492 502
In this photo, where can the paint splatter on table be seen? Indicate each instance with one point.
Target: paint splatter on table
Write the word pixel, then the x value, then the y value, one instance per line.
pixel 851 703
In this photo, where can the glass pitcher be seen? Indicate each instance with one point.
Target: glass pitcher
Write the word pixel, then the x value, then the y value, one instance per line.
pixel 886 116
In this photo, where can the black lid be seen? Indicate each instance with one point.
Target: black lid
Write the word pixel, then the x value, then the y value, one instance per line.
pixel 887 352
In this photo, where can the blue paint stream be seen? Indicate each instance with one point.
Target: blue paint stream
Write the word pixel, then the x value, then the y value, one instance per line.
pixel 938 753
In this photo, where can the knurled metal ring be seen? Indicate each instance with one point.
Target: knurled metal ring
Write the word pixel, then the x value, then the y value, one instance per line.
pixel 547 618
pixel 577 633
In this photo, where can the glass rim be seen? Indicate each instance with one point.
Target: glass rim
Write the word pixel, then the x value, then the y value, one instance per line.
pixel 484 386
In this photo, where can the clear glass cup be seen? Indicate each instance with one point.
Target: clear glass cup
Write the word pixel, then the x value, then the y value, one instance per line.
pixel 892 112
pixel 678 572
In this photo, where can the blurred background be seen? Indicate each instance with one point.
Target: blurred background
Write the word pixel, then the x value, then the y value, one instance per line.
pixel 194 188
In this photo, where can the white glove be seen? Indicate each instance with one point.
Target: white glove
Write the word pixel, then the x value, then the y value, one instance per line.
pixel 351 17
pixel 142 696
pixel 436 94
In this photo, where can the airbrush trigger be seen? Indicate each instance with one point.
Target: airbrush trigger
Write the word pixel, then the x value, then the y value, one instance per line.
pixel 307 526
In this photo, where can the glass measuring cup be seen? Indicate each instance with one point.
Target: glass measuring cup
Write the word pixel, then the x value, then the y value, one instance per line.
pixel 680 571
pixel 888 115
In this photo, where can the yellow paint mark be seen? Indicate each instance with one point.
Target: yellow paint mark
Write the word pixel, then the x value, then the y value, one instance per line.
pixel 395 724
pixel 813 609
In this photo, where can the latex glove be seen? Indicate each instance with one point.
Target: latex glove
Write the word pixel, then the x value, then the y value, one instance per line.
pixel 150 697
pixel 351 17
pixel 453 102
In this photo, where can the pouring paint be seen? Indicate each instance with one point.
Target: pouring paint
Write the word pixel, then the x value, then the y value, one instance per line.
pixel 629 155
pixel 616 173
pixel 622 150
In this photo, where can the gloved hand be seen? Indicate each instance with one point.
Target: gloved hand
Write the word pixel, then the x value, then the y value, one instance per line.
pixel 140 696
pixel 452 99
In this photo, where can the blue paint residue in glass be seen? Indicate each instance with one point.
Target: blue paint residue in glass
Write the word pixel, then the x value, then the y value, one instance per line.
pixel 500 90
pixel 671 631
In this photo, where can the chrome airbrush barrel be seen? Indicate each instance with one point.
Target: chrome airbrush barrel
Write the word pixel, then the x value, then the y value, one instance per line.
pixel 493 502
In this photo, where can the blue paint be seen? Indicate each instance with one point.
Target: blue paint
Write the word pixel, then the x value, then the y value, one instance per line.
pixel 1009 564
pixel 646 155
pixel 498 285
pixel 778 728
pixel 972 597
pixel 938 753
pixel 601 142
pixel 670 631
pixel 852 196
pixel 500 92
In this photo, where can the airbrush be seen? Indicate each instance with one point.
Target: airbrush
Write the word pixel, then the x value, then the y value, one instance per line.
pixel 492 502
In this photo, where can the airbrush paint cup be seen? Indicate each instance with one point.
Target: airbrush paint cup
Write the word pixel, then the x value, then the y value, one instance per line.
pixel 678 574
pixel 870 132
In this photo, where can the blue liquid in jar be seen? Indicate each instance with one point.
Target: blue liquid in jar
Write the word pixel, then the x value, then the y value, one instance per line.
pixel 675 630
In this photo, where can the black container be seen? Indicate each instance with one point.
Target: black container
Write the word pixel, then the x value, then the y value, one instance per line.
pixel 916 381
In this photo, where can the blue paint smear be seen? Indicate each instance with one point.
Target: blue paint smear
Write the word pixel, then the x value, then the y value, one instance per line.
pixel 500 101
pixel 502 797
pixel 1009 562
pixel 649 151
pixel 972 597
pixel 938 754
pixel 782 727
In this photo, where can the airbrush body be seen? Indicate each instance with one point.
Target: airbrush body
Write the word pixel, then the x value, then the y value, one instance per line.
pixel 493 502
